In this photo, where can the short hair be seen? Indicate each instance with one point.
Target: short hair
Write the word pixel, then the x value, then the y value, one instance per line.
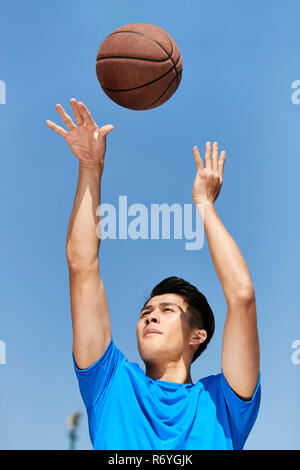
pixel 201 314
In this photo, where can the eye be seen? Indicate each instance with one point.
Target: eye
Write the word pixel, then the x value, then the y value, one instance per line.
pixel 167 308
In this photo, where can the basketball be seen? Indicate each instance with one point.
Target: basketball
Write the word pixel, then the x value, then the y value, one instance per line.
pixel 139 66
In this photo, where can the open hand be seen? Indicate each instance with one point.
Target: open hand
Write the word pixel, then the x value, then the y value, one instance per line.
pixel 86 141
pixel 209 179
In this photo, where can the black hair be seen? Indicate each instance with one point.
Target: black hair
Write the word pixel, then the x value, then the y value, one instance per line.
pixel 201 314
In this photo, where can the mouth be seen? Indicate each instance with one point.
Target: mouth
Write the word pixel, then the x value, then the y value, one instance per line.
pixel 149 333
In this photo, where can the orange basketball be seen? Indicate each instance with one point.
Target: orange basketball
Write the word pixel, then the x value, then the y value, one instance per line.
pixel 139 66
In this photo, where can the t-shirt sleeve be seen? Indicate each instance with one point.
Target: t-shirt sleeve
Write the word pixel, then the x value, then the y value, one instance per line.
pixel 94 382
pixel 242 413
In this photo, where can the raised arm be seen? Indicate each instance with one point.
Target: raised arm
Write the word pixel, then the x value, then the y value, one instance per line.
pixel 240 351
pixel 90 315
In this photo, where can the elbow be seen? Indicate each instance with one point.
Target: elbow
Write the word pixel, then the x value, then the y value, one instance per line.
pixel 244 295
pixel 247 293
pixel 72 257
pixel 78 262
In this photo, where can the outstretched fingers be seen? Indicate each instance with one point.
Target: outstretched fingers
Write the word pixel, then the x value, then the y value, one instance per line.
pixel 207 157
pixel 221 163
pixel 65 117
pixel 198 159
pixel 76 111
pixel 211 160
pixel 57 128
pixel 86 115
pixel 214 158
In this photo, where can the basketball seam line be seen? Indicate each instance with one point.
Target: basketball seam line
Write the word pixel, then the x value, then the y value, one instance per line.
pixel 148 37
pixel 133 58
pixel 151 104
pixel 173 62
pixel 169 57
pixel 154 40
pixel 149 83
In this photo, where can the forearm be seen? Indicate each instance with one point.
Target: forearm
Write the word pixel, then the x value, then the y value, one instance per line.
pixel 82 241
pixel 228 261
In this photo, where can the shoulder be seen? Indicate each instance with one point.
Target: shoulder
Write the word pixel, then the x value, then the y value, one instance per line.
pixel 211 381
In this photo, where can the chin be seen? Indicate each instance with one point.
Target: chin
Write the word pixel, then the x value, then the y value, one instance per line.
pixel 150 350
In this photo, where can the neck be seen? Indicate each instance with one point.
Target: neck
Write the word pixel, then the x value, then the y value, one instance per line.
pixel 171 372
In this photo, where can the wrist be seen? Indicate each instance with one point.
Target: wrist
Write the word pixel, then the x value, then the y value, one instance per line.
pixel 203 207
pixel 204 203
pixel 91 165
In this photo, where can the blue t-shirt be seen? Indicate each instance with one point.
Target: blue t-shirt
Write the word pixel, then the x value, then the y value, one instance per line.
pixel 127 410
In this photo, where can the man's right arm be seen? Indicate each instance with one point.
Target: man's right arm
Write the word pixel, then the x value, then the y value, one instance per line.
pixel 90 316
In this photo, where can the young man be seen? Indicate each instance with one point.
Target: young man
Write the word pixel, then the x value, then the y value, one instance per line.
pixel 160 408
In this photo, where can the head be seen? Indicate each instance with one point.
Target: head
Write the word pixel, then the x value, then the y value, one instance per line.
pixel 183 318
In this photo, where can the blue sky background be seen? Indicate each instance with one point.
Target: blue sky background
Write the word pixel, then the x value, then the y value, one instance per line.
pixel 239 61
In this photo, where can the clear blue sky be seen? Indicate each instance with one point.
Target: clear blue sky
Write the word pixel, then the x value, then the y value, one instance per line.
pixel 239 61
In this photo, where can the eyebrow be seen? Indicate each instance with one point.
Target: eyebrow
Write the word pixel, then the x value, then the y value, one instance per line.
pixel 163 304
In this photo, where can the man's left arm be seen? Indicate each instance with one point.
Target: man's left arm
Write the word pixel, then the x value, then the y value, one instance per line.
pixel 240 351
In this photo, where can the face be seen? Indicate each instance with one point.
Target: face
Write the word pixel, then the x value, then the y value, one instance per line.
pixel 169 315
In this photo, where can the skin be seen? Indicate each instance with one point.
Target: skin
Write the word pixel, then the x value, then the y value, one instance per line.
pixel 240 349
pixel 167 356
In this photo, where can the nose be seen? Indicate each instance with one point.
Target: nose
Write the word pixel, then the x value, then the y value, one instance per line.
pixel 152 317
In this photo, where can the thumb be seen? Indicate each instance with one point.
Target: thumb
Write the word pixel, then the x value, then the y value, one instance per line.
pixel 106 129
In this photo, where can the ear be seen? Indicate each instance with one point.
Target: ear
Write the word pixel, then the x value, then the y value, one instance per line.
pixel 198 336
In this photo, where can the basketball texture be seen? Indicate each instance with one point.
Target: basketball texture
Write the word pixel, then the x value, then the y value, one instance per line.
pixel 139 66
